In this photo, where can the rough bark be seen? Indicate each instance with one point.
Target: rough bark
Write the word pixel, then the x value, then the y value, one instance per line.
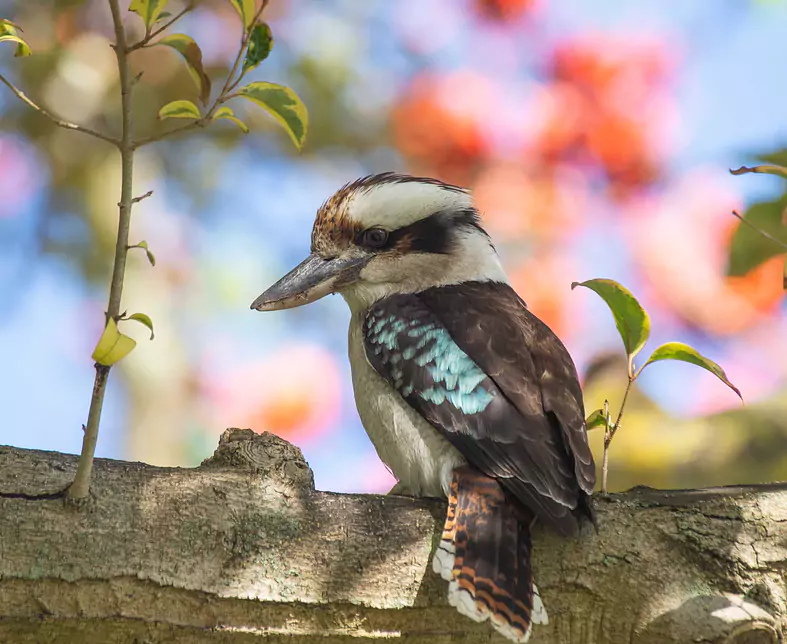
pixel 243 546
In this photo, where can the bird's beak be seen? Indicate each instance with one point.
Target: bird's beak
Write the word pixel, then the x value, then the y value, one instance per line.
pixel 313 278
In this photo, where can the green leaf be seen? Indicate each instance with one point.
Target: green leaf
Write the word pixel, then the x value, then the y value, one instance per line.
pixel 778 157
pixel 179 110
pixel 246 9
pixel 8 33
pixel 282 104
pixel 112 345
pixel 226 113
pixel 685 353
pixel 749 248
pixel 151 257
pixel 632 321
pixel 595 420
pixel 149 10
pixel 260 45
pixel 143 319
pixel 193 56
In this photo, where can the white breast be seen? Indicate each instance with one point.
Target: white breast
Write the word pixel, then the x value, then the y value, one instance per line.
pixel 418 455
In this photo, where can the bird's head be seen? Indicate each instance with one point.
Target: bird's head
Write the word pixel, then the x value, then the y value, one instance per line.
pixel 387 234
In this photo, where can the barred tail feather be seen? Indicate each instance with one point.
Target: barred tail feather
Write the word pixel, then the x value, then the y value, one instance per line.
pixel 484 553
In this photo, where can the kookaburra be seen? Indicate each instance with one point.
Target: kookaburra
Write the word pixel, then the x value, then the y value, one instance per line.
pixel 464 393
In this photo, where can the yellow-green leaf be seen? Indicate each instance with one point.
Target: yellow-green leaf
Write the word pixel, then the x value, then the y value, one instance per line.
pixel 595 420
pixel 143 319
pixel 226 113
pixel 246 9
pixel 144 245
pixel 685 353
pixel 179 110
pixel 632 321
pixel 112 345
pixel 8 33
pixel 260 45
pixel 148 10
pixel 192 54
pixel 282 104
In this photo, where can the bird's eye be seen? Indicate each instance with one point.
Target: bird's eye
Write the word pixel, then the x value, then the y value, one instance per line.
pixel 375 237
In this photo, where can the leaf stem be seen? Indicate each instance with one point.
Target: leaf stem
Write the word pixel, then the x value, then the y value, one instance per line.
pixel 609 433
pixel 81 486
pixel 762 169
pixel 57 121
pixel 229 84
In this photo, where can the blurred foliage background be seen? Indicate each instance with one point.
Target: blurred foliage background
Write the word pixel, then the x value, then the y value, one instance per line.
pixel 596 136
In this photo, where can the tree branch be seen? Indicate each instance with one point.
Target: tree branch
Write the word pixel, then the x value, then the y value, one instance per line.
pixel 202 122
pixel 57 121
pixel 243 548
pixel 611 429
pixel 81 485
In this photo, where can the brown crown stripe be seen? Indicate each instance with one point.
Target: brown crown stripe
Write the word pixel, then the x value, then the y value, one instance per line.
pixel 332 226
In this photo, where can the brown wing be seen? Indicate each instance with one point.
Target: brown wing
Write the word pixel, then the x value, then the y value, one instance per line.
pixel 529 365
pixel 497 383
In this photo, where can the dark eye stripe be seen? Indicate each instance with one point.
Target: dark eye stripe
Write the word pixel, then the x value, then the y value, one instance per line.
pixel 436 233
pixel 433 234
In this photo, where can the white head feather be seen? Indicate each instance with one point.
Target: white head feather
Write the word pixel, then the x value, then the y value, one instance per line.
pixel 394 202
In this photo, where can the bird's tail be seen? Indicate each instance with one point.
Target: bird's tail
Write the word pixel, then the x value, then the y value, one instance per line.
pixel 484 554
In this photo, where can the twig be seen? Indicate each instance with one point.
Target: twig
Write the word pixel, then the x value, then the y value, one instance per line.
pixel 780 243
pixel 149 193
pixel 223 96
pixel 57 121
pixel 80 488
pixel 609 433
pixel 202 122
pixel 152 34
